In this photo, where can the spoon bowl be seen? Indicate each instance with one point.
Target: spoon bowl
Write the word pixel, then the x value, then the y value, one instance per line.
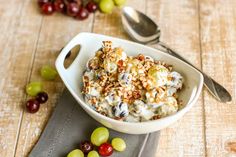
pixel 139 27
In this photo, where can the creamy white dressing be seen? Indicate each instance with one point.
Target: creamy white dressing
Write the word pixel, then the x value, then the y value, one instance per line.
pixel 90 74
pixel 177 80
pixel 158 100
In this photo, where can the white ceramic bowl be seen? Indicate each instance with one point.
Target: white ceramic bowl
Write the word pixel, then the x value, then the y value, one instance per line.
pixel 90 43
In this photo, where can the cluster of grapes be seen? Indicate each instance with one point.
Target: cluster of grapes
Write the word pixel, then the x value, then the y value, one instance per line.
pixel 99 138
pixel 73 8
pixel 78 8
pixel 35 89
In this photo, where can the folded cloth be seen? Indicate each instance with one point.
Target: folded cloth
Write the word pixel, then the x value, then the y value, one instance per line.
pixel 70 124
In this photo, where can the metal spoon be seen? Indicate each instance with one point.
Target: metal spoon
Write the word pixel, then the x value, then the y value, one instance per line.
pixel 143 30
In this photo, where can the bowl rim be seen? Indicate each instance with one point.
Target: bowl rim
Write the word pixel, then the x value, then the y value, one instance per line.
pixel 186 108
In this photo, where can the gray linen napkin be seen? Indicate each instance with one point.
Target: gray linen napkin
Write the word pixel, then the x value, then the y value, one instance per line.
pixel 70 124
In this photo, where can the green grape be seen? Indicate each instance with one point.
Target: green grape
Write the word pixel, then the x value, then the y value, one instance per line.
pixel 152 72
pixel 120 2
pixel 93 153
pixel 76 153
pixel 106 6
pixel 34 88
pixel 48 72
pixel 99 136
pixel 118 144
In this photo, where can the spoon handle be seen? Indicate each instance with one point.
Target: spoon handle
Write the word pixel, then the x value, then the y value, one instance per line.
pixel 218 91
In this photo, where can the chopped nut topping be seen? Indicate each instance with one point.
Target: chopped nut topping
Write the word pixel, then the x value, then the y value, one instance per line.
pixel 113 78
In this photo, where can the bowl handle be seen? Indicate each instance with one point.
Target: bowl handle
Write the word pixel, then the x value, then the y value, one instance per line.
pixel 63 55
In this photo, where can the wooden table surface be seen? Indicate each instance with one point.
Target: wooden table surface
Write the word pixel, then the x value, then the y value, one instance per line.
pixel 204 31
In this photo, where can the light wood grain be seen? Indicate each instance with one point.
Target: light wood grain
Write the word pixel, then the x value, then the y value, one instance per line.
pixel 110 24
pixel 204 31
pixel 55 32
pixel 18 39
pixel 218 40
pixel 179 26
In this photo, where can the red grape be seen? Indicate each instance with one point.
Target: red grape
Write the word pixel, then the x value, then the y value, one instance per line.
pixel 91 6
pixel 72 9
pixel 32 105
pixel 82 14
pixel 47 8
pixel 105 149
pixel 42 97
pixel 59 5
pixel 78 2
pixel 42 2
pixel 86 147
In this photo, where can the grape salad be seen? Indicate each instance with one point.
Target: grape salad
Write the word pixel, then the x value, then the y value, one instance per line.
pixel 130 88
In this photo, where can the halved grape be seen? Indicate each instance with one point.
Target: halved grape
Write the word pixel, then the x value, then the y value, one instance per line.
pixel 99 136
pixel 118 144
pixel 76 153
pixel 106 6
pixel 48 72
pixel 93 154
pixel 34 88
pixel 152 72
